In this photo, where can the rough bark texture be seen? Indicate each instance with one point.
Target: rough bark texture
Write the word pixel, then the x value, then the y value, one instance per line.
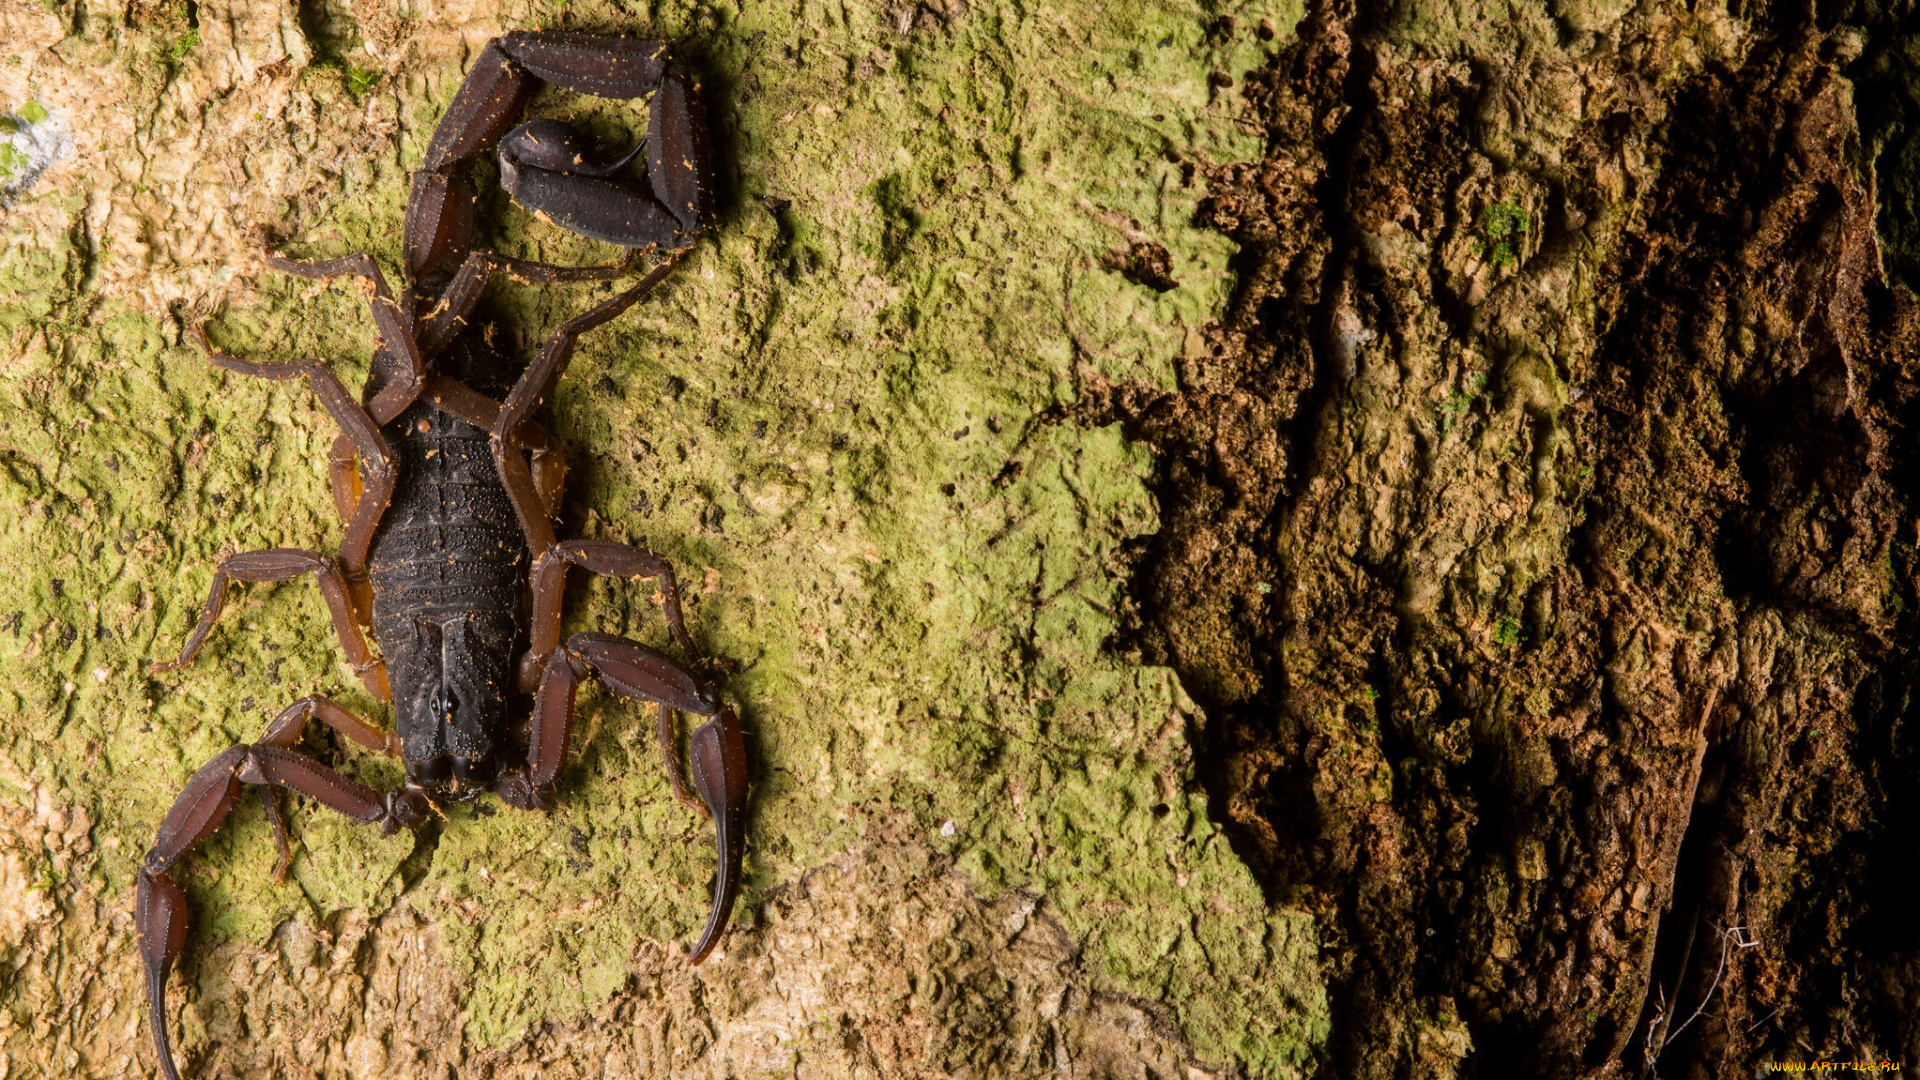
pixel 1538 534
pixel 1373 543
pixel 976 845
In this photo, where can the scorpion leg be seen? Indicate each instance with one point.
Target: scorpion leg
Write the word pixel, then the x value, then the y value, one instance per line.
pixel 549 465
pixel 360 430
pixel 407 369
pixel 161 915
pixel 439 326
pixel 343 480
pixel 531 391
pixel 285 564
pixel 286 731
pixel 360 514
pixel 549 578
pixel 717 749
pixel 287 728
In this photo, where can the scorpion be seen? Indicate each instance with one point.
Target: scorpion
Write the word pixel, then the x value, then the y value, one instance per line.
pixel 448 495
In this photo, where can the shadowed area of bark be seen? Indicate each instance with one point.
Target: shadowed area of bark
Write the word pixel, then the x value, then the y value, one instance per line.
pixel 1538 534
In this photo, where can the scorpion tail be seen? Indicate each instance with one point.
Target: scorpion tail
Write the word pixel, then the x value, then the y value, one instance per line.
pixel 161 913
pixel 719 756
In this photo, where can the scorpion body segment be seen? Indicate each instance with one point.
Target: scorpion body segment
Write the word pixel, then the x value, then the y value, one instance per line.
pixel 446 571
pixel 447 484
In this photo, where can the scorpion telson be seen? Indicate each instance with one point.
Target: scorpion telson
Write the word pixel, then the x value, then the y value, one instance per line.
pixel 448 485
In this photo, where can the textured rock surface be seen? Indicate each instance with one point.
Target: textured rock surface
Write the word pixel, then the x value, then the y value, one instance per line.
pixel 977 846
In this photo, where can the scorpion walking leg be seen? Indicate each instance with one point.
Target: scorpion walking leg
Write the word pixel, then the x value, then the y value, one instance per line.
pixel 360 430
pixel 396 332
pixel 531 391
pixel 287 728
pixel 161 916
pixel 717 748
pixel 438 327
pixel 343 476
pixel 549 578
pixel 285 564
pixel 286 731
pixel 548 465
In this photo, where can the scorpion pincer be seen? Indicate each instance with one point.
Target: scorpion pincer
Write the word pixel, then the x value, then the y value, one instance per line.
pixel 448 484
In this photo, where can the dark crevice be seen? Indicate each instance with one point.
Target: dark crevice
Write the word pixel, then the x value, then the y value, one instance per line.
pixel 426 842
pixel 1143 262
pixel 1342 268
pixel 1730 493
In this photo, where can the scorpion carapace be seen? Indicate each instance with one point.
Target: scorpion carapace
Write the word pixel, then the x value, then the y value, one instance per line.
pixel 448 484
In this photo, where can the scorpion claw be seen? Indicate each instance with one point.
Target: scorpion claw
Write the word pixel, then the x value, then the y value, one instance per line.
pixel 719 756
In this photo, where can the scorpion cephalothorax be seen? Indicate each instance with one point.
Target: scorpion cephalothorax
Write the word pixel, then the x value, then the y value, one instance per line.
pixel 448 492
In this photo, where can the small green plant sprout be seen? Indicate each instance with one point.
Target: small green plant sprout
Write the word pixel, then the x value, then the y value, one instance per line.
pixel 1505 224
pixel 1459 401
pixel 47 879
pixel 361 80
pixel 179 47
pixel 1508 632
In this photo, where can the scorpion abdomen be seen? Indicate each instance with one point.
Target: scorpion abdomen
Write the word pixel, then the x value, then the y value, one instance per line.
pixel 446 569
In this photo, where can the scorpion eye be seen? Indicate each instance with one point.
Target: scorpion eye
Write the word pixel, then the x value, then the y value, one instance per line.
pixel 443 704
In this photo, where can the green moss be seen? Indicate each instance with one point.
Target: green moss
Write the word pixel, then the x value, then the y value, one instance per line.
pixel 834 418
pixel 179 47
pixel 1504 225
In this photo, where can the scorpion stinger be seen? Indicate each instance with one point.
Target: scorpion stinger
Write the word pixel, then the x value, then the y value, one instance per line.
pixel 448 483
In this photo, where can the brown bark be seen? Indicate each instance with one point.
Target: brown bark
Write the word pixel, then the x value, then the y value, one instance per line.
pixel 1550 584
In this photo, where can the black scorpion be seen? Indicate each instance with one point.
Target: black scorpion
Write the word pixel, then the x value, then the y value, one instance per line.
pixel 448 494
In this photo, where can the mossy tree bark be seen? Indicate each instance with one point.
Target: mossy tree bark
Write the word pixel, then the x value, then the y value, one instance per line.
pixel 975 842
pixel 1366 542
